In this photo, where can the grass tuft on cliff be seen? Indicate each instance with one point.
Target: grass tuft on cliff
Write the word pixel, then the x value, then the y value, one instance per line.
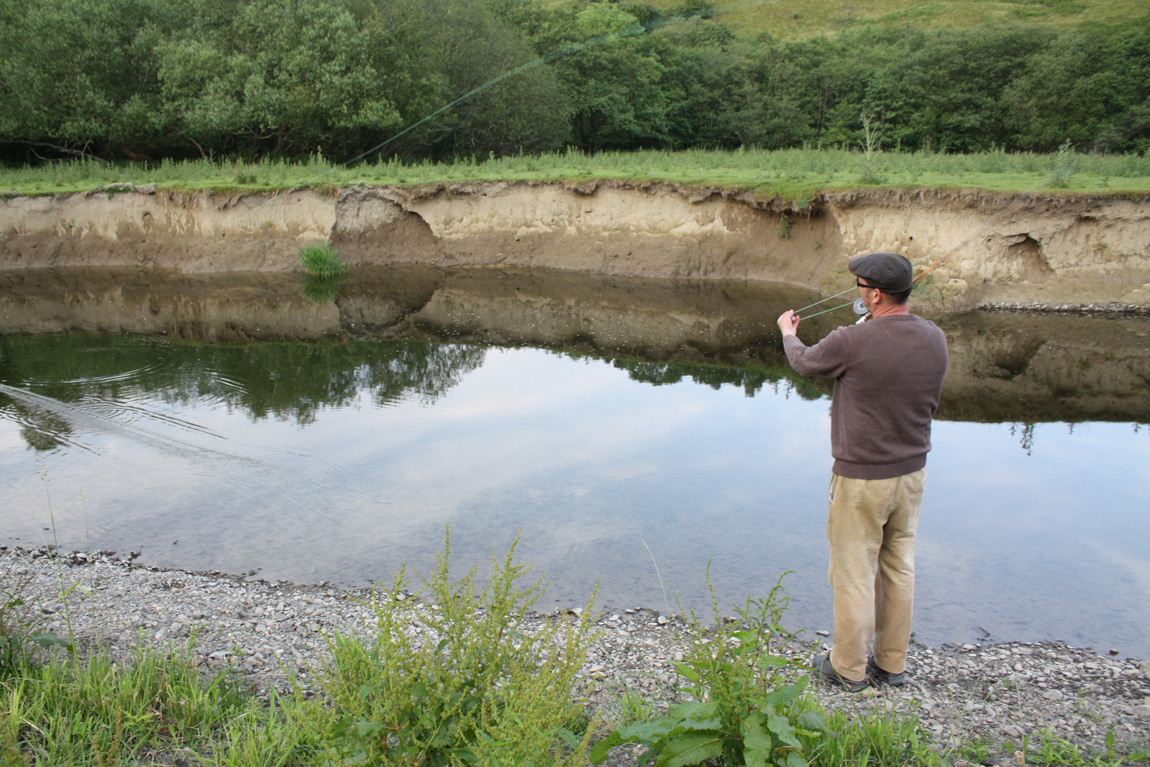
pixel 321 261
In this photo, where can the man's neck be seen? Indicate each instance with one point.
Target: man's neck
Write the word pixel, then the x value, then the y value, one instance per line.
pixel 885 310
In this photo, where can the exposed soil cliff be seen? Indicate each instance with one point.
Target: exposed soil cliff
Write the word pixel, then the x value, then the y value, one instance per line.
pixel 984 248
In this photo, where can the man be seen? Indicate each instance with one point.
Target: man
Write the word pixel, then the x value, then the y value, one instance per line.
pixel 888 374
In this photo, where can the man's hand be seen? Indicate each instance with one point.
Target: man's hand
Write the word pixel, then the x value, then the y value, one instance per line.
pixel 789 322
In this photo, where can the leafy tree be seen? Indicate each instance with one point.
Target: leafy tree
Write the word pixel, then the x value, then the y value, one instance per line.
pixel 76 76
pixel 774 94
pixel 704 63
pixel 142 79
pixel 511 103
pixel 780 100
pixel 281 76
pixel 613 76
pixel 945 92
pixel 1090 86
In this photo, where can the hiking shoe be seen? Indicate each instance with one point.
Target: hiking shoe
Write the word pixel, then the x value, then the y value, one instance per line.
pixel 828 673
pixel 884 677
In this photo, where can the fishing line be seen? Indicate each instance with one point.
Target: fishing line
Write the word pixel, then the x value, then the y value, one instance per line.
pixel 78 414
pixel 833 308
pixel 824 300
pixel 82 414
pixel 263 488
pixel 559 53
pixel 1008 208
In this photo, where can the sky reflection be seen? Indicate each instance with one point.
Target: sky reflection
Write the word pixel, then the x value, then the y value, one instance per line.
pixel 608 481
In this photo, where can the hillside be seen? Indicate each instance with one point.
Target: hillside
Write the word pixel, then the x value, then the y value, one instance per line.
pixel 812 18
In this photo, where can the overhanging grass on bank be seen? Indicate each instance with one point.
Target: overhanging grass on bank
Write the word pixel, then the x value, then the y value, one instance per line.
pixel 792 174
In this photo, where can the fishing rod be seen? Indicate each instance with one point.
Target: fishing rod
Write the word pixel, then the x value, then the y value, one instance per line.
pixel 860 308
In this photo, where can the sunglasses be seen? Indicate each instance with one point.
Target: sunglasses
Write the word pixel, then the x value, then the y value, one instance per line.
pixel 869 287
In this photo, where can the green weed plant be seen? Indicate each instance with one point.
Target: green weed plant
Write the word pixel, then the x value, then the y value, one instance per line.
pixel 19 633
pixel 1065 161
pixel 283 732
pixel 461 684
pixel 321 261
pixel 872 165
pixel 741 706
pixel 1048 749
pixel 877 739
pixel 785 224
pixel 94 711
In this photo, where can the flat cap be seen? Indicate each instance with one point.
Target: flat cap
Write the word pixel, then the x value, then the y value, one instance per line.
pixel 886 271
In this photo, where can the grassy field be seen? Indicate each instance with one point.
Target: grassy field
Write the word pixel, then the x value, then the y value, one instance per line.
pixel 798 21
pixel 796 175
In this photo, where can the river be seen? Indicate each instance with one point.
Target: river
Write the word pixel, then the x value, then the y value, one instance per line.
pixel 635 435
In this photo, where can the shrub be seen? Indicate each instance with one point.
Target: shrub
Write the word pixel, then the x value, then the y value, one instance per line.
pixel 461 683
pixel 741 708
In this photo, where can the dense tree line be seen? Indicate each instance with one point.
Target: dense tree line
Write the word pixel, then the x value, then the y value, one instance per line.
pixel 149 79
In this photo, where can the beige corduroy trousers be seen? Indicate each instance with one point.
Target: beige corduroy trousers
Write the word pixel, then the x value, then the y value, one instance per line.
pixel 870 526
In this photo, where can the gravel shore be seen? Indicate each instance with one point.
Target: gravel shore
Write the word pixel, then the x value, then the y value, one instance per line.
pixel 275 632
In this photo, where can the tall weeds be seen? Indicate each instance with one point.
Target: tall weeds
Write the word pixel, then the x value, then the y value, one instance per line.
pixel 461 683
pixel 741 706
pixel 94 711
pixel 459 680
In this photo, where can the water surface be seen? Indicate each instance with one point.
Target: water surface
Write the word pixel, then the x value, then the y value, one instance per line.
pixel 631 433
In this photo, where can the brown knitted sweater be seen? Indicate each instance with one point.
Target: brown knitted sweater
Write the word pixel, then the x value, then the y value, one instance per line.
pixel 888 376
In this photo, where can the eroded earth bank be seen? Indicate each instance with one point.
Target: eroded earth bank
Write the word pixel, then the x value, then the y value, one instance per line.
pixel 981 249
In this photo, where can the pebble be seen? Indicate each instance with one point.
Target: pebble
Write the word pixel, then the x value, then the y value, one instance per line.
pixel 1094 310
pixel 275 634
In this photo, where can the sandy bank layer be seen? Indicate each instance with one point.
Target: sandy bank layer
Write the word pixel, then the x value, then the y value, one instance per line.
pixel 995 248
